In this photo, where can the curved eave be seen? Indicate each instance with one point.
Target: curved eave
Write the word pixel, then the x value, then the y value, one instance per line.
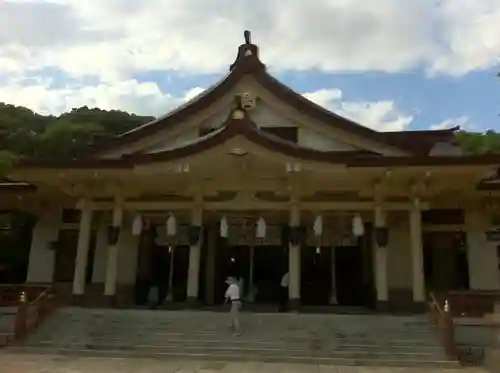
pixel 253 66
pixel 110 164
pixel 416 161
pixel 248 129
pixel 184 112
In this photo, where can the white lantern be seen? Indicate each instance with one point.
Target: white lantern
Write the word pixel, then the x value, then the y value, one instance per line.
pixel 171 225
pixel 224 228
pixel 358 228
pixel 137 225
pixel 318 226
pixel 260 232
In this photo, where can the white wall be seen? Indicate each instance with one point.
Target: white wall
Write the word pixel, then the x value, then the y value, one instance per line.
pixel 399 254
pixel 481 254
pixel 42 257
pixel 127 254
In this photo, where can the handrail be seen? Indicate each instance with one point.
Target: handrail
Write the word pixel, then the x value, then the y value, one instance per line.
pixel 443 320
pixel 470 303
pixel 31 313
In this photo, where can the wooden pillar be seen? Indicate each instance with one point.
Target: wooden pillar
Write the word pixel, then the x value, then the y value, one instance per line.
pixel 417 256
pixel 82 251
pixel 381 285
pixel 294 262
pixel 194 259
pixel 112 262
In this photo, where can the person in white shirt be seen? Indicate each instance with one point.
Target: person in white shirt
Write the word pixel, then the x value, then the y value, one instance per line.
pixel 283 292
pixel 233 296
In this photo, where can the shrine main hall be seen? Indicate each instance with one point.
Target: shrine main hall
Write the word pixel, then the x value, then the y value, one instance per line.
pixel 250 179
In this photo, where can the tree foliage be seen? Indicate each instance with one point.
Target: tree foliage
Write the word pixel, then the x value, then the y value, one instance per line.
pixel 24 133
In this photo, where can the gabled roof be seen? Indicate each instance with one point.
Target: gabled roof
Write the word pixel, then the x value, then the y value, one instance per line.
pixel 240 124
pixel 248 63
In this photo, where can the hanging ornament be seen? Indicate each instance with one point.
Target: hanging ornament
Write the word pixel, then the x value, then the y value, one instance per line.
pixel 318 226
pixel 358 228
pixel 171 225
pixel 224 228
pixel 260 232
pixel 137 225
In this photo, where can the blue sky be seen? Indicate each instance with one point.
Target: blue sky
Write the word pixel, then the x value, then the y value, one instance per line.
pixel 388 64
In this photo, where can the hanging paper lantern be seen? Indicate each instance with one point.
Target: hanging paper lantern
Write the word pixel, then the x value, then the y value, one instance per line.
pixel 261 228
pixel 224 228
pixel 171 225
pixel 358 228
pixel 137 225
pixel 318 225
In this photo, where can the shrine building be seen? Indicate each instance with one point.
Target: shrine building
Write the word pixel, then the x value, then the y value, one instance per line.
pixel 251 179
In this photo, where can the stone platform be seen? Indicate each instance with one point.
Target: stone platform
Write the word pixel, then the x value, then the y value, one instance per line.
pixel 16 363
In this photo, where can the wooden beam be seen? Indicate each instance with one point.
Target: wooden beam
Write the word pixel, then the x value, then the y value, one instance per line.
pixel 243 205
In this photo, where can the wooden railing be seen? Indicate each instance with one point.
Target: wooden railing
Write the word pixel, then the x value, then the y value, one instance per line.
pixel 469 303
pixel 32 304
pixel 441 318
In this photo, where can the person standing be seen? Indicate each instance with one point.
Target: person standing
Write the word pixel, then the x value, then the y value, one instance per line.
pixel 233 296
pixel 283 292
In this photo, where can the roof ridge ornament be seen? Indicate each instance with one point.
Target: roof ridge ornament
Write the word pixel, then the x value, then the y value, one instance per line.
pixel 248 55
pixel 248 37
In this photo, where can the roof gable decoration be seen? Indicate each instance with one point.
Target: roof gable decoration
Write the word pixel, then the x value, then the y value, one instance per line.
pixel 247 62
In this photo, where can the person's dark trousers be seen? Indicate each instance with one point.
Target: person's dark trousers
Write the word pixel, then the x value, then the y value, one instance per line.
pixel 162 292
pixel 283 299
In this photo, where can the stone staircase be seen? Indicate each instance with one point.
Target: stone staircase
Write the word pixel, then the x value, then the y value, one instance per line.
pixel 370 340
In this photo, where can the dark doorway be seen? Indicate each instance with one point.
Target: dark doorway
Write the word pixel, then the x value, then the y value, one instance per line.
pixel 270 263
pixel 180 273
pixel 15 240
pixel 65 257
pixel 349 275
pixel 445 261
pixel 316 275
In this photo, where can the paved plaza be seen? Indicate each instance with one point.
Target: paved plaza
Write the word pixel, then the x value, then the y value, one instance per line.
pixel 22 363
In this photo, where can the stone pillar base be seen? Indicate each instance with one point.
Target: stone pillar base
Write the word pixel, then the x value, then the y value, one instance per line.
pixel 192 302
pixel 420 307
pixel 382 306
pixel 77 300
pixel 294 304
pixel 110 301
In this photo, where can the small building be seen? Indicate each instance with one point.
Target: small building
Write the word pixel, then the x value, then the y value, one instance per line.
pixel 251 179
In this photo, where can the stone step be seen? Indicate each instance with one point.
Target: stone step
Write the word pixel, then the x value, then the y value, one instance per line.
pixel 228 339
pixel 235 343
pixel 319 339
pixel 224 356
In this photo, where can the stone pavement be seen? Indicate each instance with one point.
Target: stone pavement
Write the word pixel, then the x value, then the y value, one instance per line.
pixel 21 363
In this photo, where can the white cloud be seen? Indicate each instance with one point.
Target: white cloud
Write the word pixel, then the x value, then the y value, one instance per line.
pixel 379 115
pixel 115 38
pixel 144 98
pixel 470 36
pixel 463 122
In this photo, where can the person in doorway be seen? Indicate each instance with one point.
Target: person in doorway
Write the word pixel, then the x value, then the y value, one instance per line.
pixel 283 292
pixel 233 296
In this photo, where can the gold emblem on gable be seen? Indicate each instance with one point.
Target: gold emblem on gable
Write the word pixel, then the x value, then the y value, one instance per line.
pixel 248 101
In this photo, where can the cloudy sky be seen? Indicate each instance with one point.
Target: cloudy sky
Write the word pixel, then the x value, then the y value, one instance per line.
pixel 389 64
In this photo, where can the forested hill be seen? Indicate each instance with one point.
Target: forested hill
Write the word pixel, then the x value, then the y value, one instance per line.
pixel 25 133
